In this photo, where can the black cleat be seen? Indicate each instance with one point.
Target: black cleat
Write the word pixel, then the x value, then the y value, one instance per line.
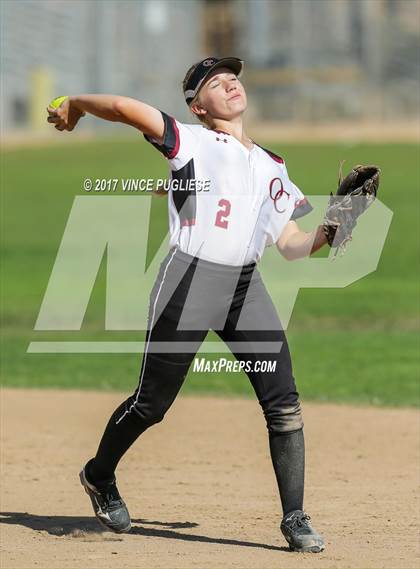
pixel 299 533
pixel 108 505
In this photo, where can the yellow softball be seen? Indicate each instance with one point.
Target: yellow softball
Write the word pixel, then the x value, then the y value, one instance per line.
pixel 55 103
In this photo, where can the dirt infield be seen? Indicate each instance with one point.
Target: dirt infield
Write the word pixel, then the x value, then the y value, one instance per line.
pixel 200 487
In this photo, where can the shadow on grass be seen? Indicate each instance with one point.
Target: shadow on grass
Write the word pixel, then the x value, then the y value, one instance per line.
pixel 89 529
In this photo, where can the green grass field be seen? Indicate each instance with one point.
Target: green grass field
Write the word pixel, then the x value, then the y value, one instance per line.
pixel 358 343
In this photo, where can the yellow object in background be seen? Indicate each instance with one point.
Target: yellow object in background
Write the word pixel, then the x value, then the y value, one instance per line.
pixel 40 91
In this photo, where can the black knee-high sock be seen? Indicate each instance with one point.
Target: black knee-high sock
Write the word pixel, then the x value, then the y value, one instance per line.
pixel 288 456
pixel 116 440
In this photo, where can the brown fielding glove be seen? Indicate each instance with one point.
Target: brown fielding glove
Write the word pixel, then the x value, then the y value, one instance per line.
pixel 354 195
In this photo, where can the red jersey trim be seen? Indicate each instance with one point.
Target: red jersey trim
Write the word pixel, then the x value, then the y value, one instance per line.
pixel 276 158
pixel 220 131
pixel 175 149
pixel 273 156
pixel 301 202
pixel 187 222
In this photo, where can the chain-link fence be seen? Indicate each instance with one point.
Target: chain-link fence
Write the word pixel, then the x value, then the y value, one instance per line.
pixel 306 60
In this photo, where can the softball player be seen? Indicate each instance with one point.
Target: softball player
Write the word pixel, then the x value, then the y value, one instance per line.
pixel 210 280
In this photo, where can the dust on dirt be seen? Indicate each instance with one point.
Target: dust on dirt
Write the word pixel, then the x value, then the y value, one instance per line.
pixel 200 486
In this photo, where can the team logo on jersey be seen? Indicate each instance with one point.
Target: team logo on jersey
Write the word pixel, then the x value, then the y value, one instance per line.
pixel 277 192
pixel 208 62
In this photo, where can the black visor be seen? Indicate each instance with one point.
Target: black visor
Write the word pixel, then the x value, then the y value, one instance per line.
pixel 202 69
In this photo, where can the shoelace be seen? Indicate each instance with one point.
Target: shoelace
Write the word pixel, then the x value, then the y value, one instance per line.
pixel 110 494
pixel 300 520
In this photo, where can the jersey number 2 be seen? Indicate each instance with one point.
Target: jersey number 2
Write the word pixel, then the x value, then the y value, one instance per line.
pixel 222 214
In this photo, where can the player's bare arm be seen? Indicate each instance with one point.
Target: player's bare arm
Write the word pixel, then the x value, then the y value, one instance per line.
pixel 114 108
pixel 296 244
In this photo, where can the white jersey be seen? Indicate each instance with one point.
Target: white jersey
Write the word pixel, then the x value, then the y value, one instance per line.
pixel 241 199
